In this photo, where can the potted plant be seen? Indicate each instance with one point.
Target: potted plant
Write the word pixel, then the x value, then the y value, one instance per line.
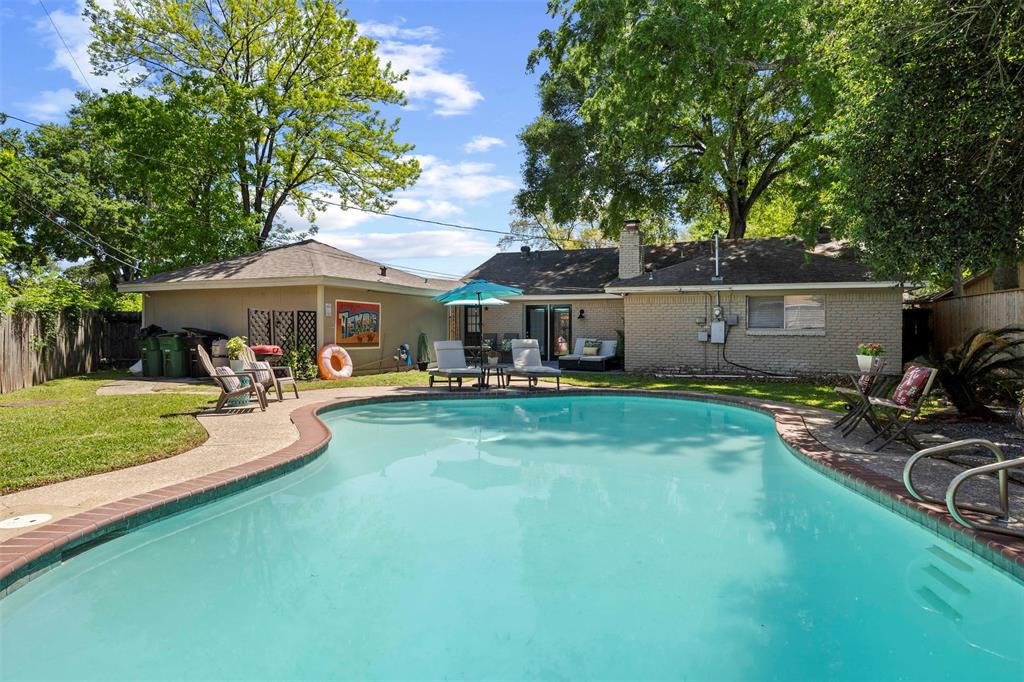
pixel 866 354
pixel 422 353
pixel 492 357
pixel 235 345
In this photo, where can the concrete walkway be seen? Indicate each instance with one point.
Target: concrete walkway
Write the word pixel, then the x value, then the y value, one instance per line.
pixel 236 436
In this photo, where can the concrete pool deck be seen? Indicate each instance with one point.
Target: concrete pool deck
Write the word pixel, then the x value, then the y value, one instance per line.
pixel 246 446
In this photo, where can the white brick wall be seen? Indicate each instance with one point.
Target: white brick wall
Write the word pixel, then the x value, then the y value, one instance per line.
pixel 661 333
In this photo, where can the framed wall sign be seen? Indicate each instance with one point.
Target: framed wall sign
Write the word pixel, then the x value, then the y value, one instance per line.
pixel 356 324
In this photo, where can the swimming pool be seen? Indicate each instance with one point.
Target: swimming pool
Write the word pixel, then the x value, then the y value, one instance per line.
pixel 570 536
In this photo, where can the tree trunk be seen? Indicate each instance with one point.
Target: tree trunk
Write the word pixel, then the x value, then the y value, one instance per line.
pixel 737 221
pixel 965 399
pixel 957 286
pixel 1004 274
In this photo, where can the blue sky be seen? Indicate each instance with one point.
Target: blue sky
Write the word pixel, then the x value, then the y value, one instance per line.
pixel 469 94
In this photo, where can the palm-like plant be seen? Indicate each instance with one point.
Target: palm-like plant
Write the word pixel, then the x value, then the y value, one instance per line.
pixel 986 354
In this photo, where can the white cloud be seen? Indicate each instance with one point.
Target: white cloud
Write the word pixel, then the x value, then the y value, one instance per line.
pixel 75 30
pixel 466 181
pixel 483 143
pixel 375 29
pixel 387 246
pixel 49 105
pixel 450 93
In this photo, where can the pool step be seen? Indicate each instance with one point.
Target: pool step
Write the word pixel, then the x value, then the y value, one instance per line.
pixel 950 559
pixel 939 605
pixel 948 581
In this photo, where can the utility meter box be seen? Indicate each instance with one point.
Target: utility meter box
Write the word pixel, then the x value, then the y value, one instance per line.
pixel 718 331
pixel 702 335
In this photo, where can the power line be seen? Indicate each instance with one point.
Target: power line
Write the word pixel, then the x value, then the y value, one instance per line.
pixel 70 53
pixel 418 220
pixel 77 237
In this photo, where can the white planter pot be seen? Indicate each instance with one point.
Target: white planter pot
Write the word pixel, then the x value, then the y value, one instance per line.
pixel 865 362
pixel 237 365
pixel 492 361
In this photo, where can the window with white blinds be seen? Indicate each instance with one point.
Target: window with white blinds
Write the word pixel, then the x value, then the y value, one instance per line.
pixel 786 312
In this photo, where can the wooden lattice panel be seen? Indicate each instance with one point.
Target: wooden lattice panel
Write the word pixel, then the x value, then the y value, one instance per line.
pixel 305 329
pixel 284 329
pixel 259 327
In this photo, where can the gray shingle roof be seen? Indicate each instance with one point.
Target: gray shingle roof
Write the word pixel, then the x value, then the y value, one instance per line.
pixel 775 260
pixel 308 258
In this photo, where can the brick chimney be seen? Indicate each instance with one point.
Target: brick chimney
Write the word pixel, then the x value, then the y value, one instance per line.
pixel 631 250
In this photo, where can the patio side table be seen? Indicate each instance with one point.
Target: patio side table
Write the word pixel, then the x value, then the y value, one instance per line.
pixel 497 371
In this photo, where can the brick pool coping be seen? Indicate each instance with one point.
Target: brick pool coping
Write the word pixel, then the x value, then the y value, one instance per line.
pixel 32 553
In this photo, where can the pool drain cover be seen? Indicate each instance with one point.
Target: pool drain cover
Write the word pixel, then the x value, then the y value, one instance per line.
pixel 25 520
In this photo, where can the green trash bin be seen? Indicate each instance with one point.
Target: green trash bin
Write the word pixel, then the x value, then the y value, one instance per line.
pixel 175 356
pixel 152 358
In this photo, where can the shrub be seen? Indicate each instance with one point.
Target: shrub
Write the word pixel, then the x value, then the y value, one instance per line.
pixel 986 357
pixel 301 362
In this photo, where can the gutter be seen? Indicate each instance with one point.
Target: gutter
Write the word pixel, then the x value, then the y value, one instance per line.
pixel 197 285
pixel 674 289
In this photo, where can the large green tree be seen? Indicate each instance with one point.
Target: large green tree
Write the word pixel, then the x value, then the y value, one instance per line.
pixel 677 107
pixel 135 184
pixel 931 135
pixel 294 77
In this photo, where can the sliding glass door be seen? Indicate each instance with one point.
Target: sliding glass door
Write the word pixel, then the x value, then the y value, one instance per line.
pixel 551 325
pixel 537 326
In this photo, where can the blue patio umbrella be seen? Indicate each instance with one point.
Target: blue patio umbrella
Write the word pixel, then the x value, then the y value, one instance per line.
pixel 475 293
pixel 477 290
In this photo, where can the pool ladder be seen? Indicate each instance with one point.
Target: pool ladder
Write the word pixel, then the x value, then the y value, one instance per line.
pixel 1002 521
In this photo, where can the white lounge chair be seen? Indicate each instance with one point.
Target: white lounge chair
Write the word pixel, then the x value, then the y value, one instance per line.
pixel 526 363
pixel 451 364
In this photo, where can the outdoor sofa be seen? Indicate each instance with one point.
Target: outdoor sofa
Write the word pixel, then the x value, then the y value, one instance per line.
pixel 604 359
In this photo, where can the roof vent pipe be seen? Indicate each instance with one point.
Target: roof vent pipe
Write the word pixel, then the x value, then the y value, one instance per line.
pixel 383 271
pixel 717 277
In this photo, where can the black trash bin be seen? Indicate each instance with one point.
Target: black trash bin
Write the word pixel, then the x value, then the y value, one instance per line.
pixel 191 342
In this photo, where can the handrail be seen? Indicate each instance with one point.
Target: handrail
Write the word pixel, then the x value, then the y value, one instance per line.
pixel 1004 497
pixel 955 484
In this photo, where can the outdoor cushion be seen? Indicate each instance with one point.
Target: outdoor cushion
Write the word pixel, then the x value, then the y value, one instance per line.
pixel 911 386
pixel 608 348
pixel 457 371
pixel 597 358
pixel 577 349
pixel 231 381
pixel 590 351
pixel 449 354
pixel 264 374
pixel 536 371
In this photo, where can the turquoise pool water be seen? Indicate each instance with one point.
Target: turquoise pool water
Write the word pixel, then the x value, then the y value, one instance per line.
pixel 562 537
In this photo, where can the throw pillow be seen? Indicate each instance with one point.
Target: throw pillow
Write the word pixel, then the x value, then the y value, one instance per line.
pixel 590 350
pixel 231 382
pixel 911 386
pixel 264 374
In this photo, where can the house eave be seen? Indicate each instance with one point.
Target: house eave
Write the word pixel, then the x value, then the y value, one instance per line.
pixel 674 289
pixel 198 285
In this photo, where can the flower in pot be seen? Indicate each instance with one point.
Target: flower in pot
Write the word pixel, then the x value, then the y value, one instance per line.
pixel 866 355
pixel 492 356
pixel 235 346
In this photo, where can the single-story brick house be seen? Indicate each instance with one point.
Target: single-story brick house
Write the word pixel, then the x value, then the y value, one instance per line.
pixel 302 294
pixel 782 307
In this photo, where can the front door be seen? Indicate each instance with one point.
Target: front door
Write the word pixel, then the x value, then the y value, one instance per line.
pixel 471 335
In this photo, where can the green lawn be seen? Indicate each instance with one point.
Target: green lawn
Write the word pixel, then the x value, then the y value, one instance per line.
pixel 811 395
pixel 62 429
pixel 81 433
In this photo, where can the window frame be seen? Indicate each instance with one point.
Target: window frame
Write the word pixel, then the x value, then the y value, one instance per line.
pixel 786 305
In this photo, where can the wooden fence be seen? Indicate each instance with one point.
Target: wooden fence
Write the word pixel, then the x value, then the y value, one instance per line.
pixel 953 319
pixel 81 346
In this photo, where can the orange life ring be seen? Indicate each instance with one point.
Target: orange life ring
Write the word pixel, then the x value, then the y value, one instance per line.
pixel 334 362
